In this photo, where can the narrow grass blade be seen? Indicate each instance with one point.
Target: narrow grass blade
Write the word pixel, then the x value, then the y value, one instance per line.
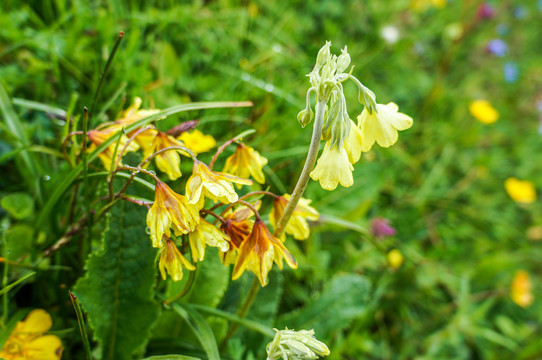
pixel 249 324
pixel 82 326
pixel 200 328
pixel 15 283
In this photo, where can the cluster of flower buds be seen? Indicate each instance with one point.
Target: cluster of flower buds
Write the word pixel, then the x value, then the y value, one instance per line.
pixel 346 140
pixel 211 212
pixel 295 345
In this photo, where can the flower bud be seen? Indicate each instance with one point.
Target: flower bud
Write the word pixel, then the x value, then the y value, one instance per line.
pixel 343 61
pixel 295 345
pixel 305 116
pixel 323 55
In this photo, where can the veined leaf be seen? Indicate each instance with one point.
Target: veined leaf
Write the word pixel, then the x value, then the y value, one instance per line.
pixel 117 290
pixel 343 299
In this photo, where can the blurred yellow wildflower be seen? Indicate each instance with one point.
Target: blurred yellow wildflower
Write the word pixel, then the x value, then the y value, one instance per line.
pixel 333 167
pixel 132 114
pixel 170 210
pixel 382 125
pixel 483 111
pixel 206 234
pixel 297 225
pixel 246 162
pixel 258 252
pixel 215 185
pixel 422 5
pixel 28 342
pixel 172 262
pixel 168 161
pixel 196 141
pixel 520 290
pixel 395 259
pixel 521 191
pixel 534 233
pixel 98 136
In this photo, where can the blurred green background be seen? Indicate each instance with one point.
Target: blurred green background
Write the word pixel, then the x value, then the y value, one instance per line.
pixel 441 186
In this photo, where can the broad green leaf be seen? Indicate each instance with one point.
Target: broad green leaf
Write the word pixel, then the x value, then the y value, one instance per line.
pixel 211 280
pixel 66 181
pixel 200 328
pixel 342 300
pixel 171 357
pixel 19 240
pixel 117 290
pixel 18 205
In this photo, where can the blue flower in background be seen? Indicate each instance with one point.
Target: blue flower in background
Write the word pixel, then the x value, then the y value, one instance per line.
pixel 511 72
pixel 497 47
pixel 520 12
pixel 502 29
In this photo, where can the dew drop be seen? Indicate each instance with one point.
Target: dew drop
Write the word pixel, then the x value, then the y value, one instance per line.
pixel 46 178
pixel 245 77
pixel 148 230
pixel 269 87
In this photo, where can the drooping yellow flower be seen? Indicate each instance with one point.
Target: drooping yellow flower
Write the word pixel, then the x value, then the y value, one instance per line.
pixel 196 141
pixel 172 262
pixel 98 136
pixel 28 342
pixel 215 185
pixel 483 111
pixel 521 191
pixel 206 234
pixel 333 167
pixel 258 252
pixel 133 113
pixel 520 290
pixel 238 227
pixel 246 162
pixel 297 225
pixel 382 125
pixel 170 211
pixel 395 259
pixel 353 143
pixel 167 161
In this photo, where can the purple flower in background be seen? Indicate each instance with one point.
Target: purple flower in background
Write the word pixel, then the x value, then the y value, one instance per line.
pixel 485 11
pixel 497 47
pixel 511 72
pixel 381 228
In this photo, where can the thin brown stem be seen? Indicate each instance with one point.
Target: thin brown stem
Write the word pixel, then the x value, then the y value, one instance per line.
pixel 182 148
pixel 219 151
pixel 260 192
pixel 65 144
pixel 218 217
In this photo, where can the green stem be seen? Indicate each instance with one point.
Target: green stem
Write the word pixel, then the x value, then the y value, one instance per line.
pixel 186 289
pixel 5 278
pixel 288 211
pixel 307 168
pixel 243 311
pixel 104 74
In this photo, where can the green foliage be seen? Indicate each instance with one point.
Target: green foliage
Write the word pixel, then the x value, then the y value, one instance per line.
pixel 117 290
pixel 341 301
pixel 18 205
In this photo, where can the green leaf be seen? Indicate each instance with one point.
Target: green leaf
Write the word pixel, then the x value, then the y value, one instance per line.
pixel 19 240
pixel 117 290
pixel 66 181
pixel 18 205
pixel 343 299
pixel 171 357
pixel 200 328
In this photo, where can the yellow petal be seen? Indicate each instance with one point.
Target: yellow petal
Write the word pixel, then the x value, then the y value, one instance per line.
pixel 332 168
pixel 483 111
pixel 520 191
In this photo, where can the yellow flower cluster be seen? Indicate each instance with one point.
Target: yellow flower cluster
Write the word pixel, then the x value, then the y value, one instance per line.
pixel 520 291
pixel 150 140
pixel 28 342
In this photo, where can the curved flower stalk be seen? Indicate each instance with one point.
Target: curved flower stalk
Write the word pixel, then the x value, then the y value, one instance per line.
pixel 215 185
pixel 170 211
pixel 173 262
pixel 28 342
pixel 167 161
pixel 246 162
pixel 297 226
pixel 345 140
